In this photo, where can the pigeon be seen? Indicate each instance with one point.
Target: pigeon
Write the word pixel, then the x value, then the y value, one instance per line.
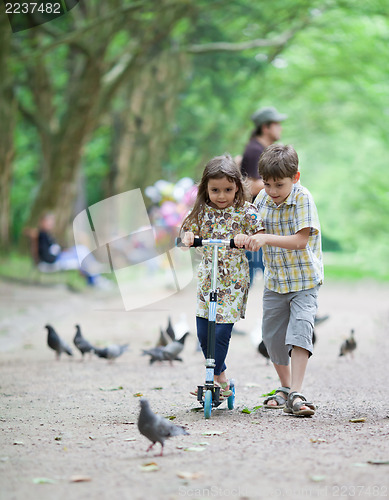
pixel 164 339
pixel 82 344
pixel 155 427
pixel 175 348
pixel 169 352
pixel 180 328
pixel 111 352
pixel 56 343
pixel 321 319
pixel 170 330
pixel 262 348
pixel 348 346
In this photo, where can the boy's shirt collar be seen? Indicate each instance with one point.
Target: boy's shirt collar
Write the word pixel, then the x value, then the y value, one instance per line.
pixel 290 199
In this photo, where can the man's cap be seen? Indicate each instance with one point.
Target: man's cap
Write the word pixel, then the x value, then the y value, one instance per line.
pixel 266 115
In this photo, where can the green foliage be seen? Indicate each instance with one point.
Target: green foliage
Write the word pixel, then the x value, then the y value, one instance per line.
pixel 330 77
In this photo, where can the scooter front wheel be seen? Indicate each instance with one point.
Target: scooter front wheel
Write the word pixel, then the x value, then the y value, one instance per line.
pixel 208 404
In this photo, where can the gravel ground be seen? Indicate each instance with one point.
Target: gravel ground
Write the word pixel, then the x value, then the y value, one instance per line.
pixel 68 428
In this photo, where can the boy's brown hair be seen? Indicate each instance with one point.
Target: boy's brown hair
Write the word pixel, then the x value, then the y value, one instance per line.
pixel 277 162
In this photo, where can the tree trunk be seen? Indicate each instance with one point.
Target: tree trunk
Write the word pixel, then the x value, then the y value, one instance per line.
pixel 7 125
pixel 58 188
pixel 146 122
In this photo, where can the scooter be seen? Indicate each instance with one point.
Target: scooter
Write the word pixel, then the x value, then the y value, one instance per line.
pixel 209 394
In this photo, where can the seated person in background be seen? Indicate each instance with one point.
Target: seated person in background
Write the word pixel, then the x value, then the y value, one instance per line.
pixel 53 258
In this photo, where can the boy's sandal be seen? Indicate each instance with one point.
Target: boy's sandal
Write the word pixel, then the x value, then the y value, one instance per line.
pixel 281 401
pixel 295 408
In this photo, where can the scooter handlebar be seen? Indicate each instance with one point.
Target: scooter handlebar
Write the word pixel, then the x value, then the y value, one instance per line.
pixel 198 242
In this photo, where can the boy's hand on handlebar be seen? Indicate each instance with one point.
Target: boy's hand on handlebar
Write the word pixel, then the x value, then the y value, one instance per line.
pixel 188 239
pixel 256 242
pixel 241 240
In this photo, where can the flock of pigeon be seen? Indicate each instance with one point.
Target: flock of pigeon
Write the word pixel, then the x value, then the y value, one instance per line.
pixel 55 342
pixel 348 346
pixel 168 348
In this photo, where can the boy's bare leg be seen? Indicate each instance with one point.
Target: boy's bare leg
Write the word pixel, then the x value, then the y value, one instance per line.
pixel 293 377
pixel 299 361
pixel 283 372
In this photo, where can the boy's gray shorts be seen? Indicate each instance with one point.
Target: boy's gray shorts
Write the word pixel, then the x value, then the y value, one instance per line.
pixel 288 320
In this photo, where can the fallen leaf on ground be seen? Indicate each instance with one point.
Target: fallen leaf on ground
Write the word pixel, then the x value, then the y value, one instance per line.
pixel 92 438
pixel 356 420
pixel 149 467
pixel 119 388
pixel 317 440
pixel 268 394
pixel 138 395
pixel 317 479
pixel 202 443
pixel 18 442
pixel 78 478
pixel 194 448
pixel 246 410
pixel 157 388
pixel 57 438
pixel 170 417
pixel 42 480
pixel 378 462
pixel 189 475
pixel 198 408
pixel 212 433
pixel 130 439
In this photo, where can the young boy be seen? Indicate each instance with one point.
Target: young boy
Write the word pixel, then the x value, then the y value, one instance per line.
pixel 293 273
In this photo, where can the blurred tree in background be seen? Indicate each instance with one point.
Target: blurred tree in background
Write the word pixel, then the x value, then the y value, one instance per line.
pixel 114 96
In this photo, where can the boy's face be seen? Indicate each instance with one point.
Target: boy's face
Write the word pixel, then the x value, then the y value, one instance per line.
pixel 279 189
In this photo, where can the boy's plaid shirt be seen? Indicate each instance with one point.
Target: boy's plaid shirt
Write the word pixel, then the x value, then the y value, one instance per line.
pixel 291 270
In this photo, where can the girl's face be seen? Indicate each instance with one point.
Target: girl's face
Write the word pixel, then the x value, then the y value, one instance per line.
pixel 221 192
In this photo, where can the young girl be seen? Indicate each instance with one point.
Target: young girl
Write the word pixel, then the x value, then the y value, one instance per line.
pixel 221 211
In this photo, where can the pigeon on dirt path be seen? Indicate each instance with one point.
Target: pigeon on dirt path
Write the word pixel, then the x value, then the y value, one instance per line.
pixel 81 343
pixel 56 343
pixel 164 339
pixel 173 349
pixel 169 352
pixel 155 427
pixel 112 351
pixel 348 346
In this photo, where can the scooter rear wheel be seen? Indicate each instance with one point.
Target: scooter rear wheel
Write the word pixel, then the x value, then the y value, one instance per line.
pixel 231 399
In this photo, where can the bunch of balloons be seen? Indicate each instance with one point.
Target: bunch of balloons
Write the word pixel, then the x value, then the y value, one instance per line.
pixel 171 202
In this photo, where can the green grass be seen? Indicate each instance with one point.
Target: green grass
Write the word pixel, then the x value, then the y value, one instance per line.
pixel 21 269
pixel 351 267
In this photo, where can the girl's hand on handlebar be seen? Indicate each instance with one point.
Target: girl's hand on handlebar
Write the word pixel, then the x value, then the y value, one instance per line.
pixel 188 239
pixel 241 240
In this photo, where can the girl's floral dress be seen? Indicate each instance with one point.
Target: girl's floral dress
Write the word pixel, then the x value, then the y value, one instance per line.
pixel 233 268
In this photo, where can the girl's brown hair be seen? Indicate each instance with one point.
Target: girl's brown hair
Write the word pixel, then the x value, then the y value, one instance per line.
pixel 217 168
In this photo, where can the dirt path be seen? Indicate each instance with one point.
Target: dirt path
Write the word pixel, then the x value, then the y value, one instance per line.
pixel 59 419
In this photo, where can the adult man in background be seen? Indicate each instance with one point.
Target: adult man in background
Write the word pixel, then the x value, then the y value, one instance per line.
pixel 267 130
